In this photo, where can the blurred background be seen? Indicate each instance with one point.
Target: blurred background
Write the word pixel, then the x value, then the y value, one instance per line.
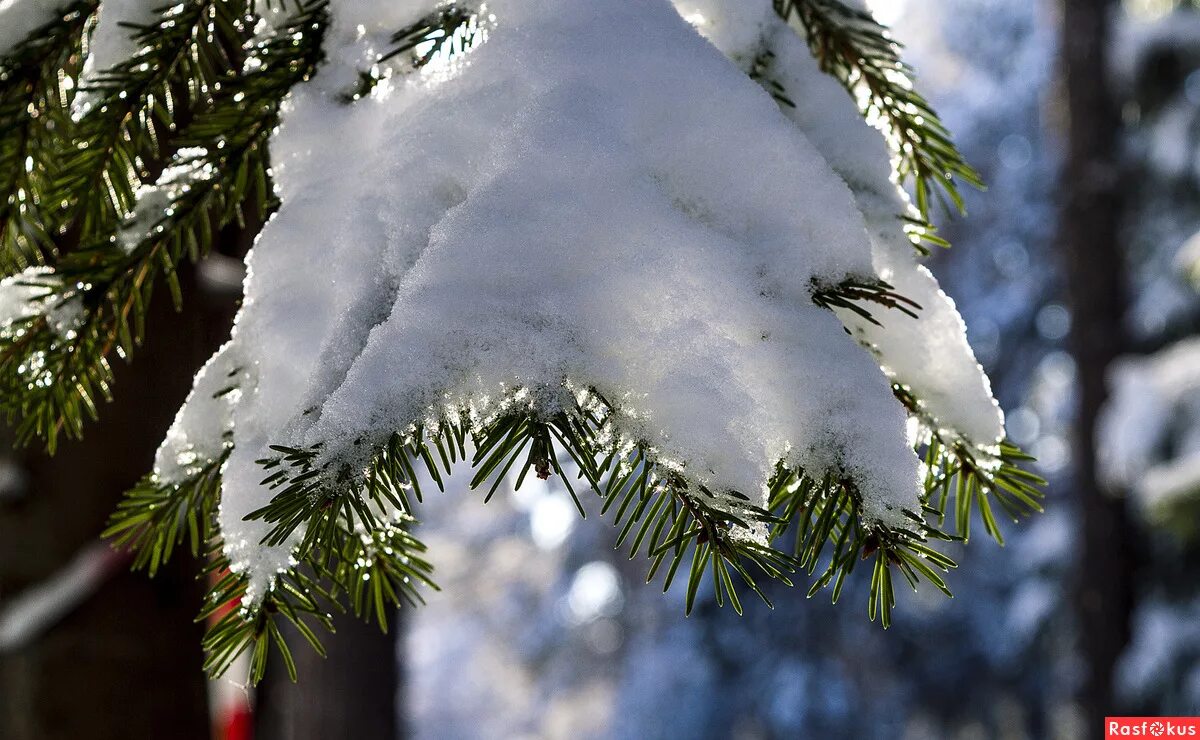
pixel 1078 274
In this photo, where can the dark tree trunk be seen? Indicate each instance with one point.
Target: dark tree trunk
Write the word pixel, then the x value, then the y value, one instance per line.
pixel 354 693
pixel 125 662
pixel 1093 264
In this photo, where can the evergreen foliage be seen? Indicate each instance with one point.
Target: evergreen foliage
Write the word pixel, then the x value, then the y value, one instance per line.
pixel 188 118
pixel 862 55
pixel 35 89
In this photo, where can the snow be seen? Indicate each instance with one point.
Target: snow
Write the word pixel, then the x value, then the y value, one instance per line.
pixel 736 28
pixel 360 34
pixel 19 18
pixel 595 592
pixel 28 294
pixel 22 294
pixel 930 354
pixel 1169 482
pixel 112 41
pixel 153 206
pixel 1139 39
pixel 1154 399
pixel 886 12
pixel 593 198
pixel 201 428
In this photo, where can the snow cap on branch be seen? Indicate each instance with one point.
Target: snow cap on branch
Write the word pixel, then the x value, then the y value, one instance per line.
pixel 596 194
pixel 112 41
pixel 20 18
pixel 929 354
pixel 37 291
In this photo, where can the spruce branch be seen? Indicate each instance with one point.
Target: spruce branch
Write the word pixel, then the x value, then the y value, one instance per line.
pixel 922 234
pixel 853 293
pixel 449 31
pixel 34 121
pixel 674 519
pixel 661 513
pixel 823 513
pixel 660 509
pixel 219 131
pixel 357 548
pixel 155 517
pixel 963 477
pixel 203 97
pixel 139 104
pixel 678 521
pixel 861 54
pixel 52 381
pixel 370 571
pixel 377 570
pixel 373 570
pixel 297 598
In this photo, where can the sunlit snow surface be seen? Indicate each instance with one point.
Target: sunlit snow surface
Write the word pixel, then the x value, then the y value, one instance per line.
pixel 595 194
pixel 19 18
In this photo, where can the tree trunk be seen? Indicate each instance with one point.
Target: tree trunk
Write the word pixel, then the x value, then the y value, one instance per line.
pixel 1089 235
pixel 125 661
pixel 354 693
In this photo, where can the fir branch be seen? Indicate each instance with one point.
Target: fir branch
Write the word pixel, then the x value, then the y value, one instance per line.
pixel 923 235
pixel 451 30
pixel 297 598
pixel 853 293
pixel 33 120
pixel 370 570
pixel 861 54
pixel 659 509
pixel 963 477
pixel 660 512
pixel 154 517
pixel 374 571
pixel 140 103
pixel 657 506
pixel 52 381
pixel 377 570
pixel 760 72
pixel 357 547
pixel 824 513
pixel 355 544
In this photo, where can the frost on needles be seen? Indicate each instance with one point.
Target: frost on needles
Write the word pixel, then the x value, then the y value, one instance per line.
pixel 652 248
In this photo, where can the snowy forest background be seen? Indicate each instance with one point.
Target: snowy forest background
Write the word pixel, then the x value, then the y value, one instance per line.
pixel 543 630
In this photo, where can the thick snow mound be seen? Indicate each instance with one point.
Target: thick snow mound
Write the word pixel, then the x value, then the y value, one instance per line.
pixel 596 195
pixel 930 355
pixel 20 18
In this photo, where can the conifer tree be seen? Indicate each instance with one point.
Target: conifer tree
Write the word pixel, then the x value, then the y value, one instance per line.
pixel 662 251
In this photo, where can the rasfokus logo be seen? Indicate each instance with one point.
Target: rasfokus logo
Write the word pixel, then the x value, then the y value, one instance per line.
pixel 1164 727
